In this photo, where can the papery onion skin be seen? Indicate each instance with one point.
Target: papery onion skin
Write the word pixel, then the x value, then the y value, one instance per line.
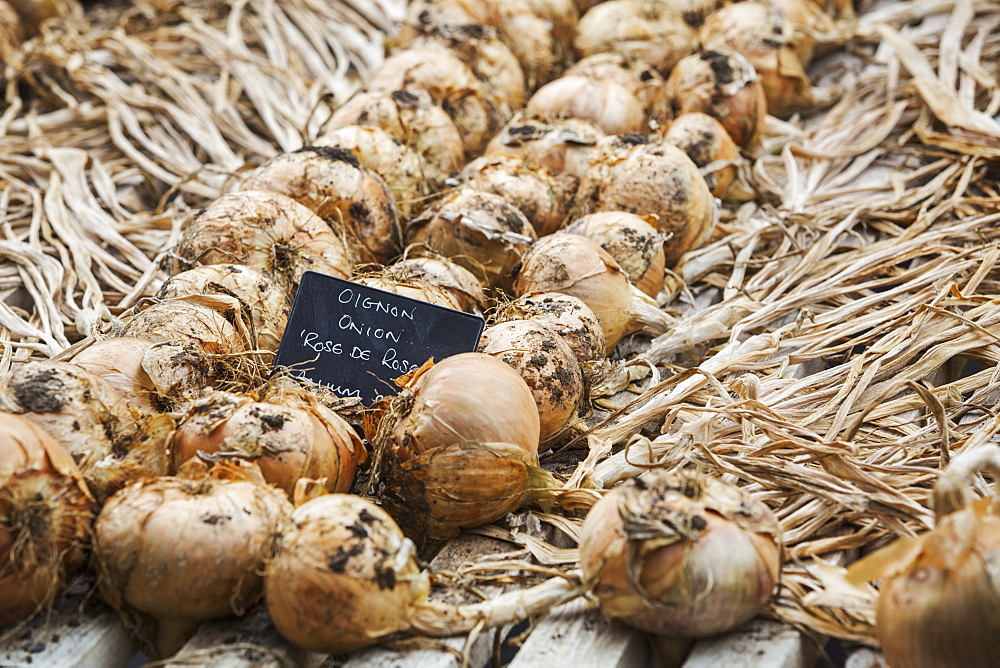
pixel 651 32
pixel 119 362
pixel 643 81
pixel 606 104
pixel 568 315
pixel 412 288
pixel 430 16
pixel 564 145
pixel 344 578
pixel 182 321
pixel 632 241
pixel 706 142
pixel 460 283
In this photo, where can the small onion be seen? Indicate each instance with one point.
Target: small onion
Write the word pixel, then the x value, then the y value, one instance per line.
pixel 477 230
pixel 333 183
pixel 562 145
pixel 269 232
pixel 680 554
pixel 411 117
pixel 45 518
pixel 175 551
pixel 541 195
pixel 709 146
pixel 632 241
pixel 569 316
pixel 182 321
pixel 648 31
pixel 547 364
pixel 460 283
pixel 606 104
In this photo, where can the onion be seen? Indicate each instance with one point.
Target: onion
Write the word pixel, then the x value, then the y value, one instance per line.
pixel 119 362
pixel 680 554
pixel 425 17
pixel 655 180
pixel 450 83
pixel 459 447
pixel 539 32
pixel 758 32
pixel 398 165
pixel 609 106
pixel 349 197
pixel 411 117
pixel 541 195
pixel 182 321
pixel 636 76
pixel 569 316
pixel 45 517
pixel 260 296
pixel 287 441
pixel 175 551
pixel 269 232
pixel 648 31
pixel 634 244
pixel 709 146
pixel 562 145
pixel 414 288
pixel 547 364
pixel 460 283
pixel 477 230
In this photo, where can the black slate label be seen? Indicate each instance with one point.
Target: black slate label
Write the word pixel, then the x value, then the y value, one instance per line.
pixel 355 339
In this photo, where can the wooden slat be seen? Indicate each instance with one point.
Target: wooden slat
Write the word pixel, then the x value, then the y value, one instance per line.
pixel 758 643
pixel 80 631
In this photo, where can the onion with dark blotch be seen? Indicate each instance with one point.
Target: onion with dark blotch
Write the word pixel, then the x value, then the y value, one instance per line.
pixel 269 232
pixel 540 194
pixel 770 43
pixel 183 321
pixel 424 17
pixel 648 31
pixel 261 298
pixel 569 316
pixel 176 551
pixel 560 144
pixel 636 76
pixel 606 104
pixel 709 146
pixel 477 230
pixel 45 518
pixel 539 32
pixel 632 241
pixel 547 364
pixel 460 283
pixel 351 198
pixel 34 12
pixel 680 554
pixel 448 458
pixel 450 83
pixel 288 439
pixel 652 179
pixel 414 288
pixel 411 117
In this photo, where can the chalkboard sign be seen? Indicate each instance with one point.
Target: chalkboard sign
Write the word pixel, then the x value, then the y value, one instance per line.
pixel 355 339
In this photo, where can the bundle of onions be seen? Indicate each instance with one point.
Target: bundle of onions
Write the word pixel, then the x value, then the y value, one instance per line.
pixel 269 232
pixel 411 117
pixel 342 548
pixel 653 179
pixel 758 32
pixel 175 551
pixel 709 146
pixel 260 296
pixel 938 594
pixel 414 288
pixel 449 458
pixel 450 83
pixel 476 230
pixel 399 166
pixel 541 195
pixel 286 438
pixel 680 554
pixel 46 516
pixel 725 86
pixel 547 364
pixel 577 266
pixel 652 32
pixel 636 76
pixel 560 144
pixel 460 283
pixel 634 244
pixel 569 316
pixel 605 103
pixel 184 321
pixel 333 183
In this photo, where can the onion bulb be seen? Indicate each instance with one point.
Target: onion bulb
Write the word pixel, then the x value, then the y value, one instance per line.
pixel 411 117
pixel 680 554
pixel 183 321
pixel 569 316
pixel 541 195
pixel 175 551
pixel 119 362
pixel 656 180
pixel 539 32
pixel 45 518
pixel 547 364
pixel 759 33
pixel 709 146
pixel 414 288
pixel 351 198
pixel 459 447
pixel 648 31
pixel 606 104
pixel 477 230
pixel 269 232
pixel 425 17
pixel 460 283
pixel 632 241
pixel 560 144
pixel 636 76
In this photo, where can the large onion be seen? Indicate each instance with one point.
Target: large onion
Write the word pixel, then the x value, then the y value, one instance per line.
pixel 648 31
pixel 632 241
pixel 605 103
pixel 45 517
pixel 184 321
pixel 569 316
pixel 562 145
pixel 680 554
pixel 175 551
